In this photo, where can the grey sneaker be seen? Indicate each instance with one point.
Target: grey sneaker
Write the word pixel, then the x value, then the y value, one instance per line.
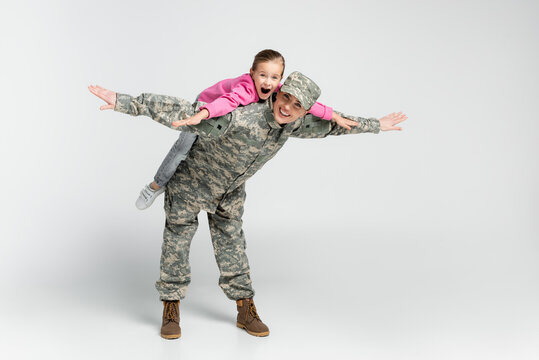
pixel 147 196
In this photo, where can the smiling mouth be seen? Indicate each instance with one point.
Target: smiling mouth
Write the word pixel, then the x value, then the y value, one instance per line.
pixel 282 113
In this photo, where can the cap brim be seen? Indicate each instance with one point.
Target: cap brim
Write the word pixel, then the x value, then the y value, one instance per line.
pixel 293 91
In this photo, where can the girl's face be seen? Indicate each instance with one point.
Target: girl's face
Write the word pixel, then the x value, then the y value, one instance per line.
pixel 266 77
pixel 287 108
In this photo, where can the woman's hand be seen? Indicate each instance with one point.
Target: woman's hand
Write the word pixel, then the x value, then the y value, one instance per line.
pixel 193 120
pixel 388 122
pixel 106 95
pixel 343 122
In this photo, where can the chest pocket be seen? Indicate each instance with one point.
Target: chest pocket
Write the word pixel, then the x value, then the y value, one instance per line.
pixel 214 127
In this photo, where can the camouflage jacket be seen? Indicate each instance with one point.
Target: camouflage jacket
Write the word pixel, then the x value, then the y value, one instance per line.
pixel 231 148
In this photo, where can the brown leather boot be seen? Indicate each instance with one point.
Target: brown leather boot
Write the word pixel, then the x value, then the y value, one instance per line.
pixel 170 329
pixel 248 318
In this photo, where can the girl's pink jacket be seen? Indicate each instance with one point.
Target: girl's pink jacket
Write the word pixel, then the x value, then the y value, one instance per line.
pixel 227 95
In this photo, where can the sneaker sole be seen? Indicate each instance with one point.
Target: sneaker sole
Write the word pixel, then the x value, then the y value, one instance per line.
pixel 241 326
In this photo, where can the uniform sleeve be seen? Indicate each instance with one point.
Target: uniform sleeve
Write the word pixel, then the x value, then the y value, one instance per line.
pixel 242 94
pixel 167 109
pixel 322 111
pixel 314 127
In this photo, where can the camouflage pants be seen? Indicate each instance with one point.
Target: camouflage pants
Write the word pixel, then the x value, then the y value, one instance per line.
pixel 228 243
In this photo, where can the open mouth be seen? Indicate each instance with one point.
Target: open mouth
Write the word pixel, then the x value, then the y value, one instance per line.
pixel 283 113
pixel 265 91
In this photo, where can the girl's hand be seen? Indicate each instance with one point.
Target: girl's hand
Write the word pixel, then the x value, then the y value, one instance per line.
pixel 193 120
pixel 106 95
pixel 388 122
pixel 343 122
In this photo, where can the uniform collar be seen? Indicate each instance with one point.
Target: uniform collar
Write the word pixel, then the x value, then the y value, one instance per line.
pixel 268 114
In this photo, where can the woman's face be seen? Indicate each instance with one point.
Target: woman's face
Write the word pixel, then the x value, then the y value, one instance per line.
pixel 287 108
pixel 266 77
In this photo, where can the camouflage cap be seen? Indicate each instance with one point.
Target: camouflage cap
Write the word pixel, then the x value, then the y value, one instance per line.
pixel 303 88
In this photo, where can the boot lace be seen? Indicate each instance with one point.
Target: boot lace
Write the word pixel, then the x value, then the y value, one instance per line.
pixel 170 312
pixel 252 311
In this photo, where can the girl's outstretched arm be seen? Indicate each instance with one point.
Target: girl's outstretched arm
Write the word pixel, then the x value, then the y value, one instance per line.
pixel 242 93
pixel 193 120
pixel 326 112
pixel 343 122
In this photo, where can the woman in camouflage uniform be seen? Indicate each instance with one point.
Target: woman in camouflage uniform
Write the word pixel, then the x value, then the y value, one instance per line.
pixel 229 150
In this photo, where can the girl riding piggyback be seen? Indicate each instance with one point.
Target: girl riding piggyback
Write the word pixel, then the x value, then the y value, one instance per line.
pixel 259 84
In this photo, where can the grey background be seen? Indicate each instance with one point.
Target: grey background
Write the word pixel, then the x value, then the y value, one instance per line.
pixel 413 245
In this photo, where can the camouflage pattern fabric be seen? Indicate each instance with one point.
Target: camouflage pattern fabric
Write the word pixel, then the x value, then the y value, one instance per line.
pixel 303 88
pixel 228 243
pixel 229 150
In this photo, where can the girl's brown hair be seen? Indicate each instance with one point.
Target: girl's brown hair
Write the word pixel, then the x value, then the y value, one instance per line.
pixel 267 55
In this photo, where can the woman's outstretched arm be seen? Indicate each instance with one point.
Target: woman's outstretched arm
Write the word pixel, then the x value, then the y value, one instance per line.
pixel 162 108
